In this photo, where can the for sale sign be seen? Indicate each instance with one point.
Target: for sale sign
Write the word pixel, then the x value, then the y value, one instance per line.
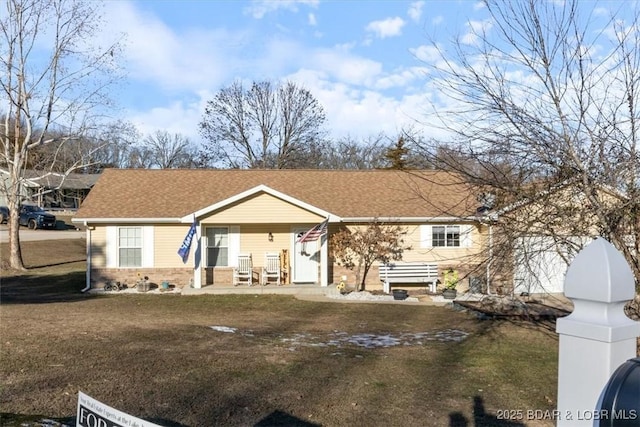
pixel 92 413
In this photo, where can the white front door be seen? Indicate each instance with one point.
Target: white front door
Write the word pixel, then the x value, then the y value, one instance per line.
pixel 305 259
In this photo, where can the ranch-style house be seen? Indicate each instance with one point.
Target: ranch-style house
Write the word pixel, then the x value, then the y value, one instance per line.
pixel 244 221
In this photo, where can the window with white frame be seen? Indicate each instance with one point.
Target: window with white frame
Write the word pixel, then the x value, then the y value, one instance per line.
pixel 130 246
pixel 445 236
pixel 217 246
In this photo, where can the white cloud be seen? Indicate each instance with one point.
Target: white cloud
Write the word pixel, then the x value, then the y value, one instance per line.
pixel 340 65
pixel 389 27
pixel 415 10
pixel 276 57
pixel 475 29
pixel 401 79
pixel 437 20
pixel 155 53
pixel 184 69
pixel 259 8
pixel 337 63
pixel 174 118
pixel 426 53
pixel 360 112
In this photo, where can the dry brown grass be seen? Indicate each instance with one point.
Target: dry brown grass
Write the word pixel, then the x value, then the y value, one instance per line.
pixel 156 357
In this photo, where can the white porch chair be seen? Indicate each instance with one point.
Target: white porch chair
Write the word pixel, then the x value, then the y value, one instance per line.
pixel 271 269
pixel 244 270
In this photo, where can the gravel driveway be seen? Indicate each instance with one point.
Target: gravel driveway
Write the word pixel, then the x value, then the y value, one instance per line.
pixel 30 235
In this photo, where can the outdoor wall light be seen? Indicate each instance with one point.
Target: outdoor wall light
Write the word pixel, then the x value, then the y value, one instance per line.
pixel 270 236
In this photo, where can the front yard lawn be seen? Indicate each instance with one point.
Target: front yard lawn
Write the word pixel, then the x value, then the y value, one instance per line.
pixel 236 360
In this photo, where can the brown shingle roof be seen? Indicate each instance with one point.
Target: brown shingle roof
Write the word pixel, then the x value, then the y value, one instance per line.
pixel 174 193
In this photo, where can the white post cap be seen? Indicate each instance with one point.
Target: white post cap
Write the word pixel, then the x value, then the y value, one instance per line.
pixel 599 273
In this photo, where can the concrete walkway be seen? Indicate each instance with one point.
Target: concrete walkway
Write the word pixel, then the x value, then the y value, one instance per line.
pixel 331 294
pixel 308 293
pixel 426 301
pixel 261 290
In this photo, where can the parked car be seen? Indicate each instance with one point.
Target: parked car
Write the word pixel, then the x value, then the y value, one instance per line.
pixel 4 214
pixel 35 217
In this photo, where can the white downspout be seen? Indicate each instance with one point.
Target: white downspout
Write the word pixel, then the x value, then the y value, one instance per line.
pixel 88 254
pixel 490 258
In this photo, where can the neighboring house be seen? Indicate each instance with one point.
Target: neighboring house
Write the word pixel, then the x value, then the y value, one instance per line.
pixel 136 221
pixel 52 189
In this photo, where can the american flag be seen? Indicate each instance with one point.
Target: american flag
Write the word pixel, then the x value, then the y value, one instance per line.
pixel 315 232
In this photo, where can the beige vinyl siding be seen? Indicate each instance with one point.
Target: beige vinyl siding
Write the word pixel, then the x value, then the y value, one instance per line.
pixel 441 255
pixel 448 256
pixel 98 247
pixel 168 239
pixel 254 239
pixel 262 208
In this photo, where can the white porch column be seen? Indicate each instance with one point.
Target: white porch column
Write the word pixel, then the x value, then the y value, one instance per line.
pixel 596 337
pixel 197 259
pixel 324 260
pixel 89 254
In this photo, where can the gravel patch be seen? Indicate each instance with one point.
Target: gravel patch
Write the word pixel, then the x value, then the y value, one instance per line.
pixel 368 296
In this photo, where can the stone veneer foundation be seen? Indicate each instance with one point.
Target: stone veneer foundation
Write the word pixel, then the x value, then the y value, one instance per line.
pixel 179 277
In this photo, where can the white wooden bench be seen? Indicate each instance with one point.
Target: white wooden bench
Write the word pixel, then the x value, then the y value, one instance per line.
pixel 409 273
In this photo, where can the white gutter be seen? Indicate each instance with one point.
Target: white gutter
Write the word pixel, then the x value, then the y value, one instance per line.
pixel 412 219
pixel 88 254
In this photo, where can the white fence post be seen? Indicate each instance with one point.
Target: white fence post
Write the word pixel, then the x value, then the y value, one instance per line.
pixel 597 336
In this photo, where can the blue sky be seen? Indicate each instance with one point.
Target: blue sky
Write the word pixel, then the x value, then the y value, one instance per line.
pixel 358 58
pixel 363 60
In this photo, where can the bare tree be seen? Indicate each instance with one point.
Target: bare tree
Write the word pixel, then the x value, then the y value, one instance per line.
pixel 113 145
pixel 542 107
pixel 108 146
pixel 170 151
pixel 351 153
pixel 47 94
pixel 358 249
pixel 264 126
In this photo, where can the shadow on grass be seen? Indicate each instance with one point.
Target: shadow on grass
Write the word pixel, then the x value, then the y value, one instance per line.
pixel 56 264
pixel 38 289
pixel 545 322
pixel 279 418
pixel 481 418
